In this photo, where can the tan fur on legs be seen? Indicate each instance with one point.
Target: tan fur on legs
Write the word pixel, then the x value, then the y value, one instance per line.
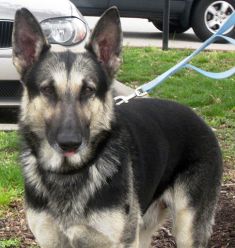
pixel 152 220
pixel 45 230
pixel 183 228
pixel 182 214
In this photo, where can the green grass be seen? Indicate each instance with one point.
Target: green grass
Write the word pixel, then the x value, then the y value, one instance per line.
pixel 11 185
pixel 213 99
pixel 10 243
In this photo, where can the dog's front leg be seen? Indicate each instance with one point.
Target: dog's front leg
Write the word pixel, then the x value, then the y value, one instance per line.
pixel 83 236
pixel 45 230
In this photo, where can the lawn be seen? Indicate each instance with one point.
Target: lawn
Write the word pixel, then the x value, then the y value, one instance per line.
pixel 11 185
pixel 214 100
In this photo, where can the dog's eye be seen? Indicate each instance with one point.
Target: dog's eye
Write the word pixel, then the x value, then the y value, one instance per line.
pixel 47 90
pixel 88 91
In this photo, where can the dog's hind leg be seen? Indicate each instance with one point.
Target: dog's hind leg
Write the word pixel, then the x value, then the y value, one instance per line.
pixel 45 230
pixel 192 212
pixel 152 220
pixel 182 215
pixel 192 225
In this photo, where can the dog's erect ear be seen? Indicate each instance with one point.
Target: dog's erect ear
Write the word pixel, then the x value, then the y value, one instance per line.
pixel 106 40
pixel 28 40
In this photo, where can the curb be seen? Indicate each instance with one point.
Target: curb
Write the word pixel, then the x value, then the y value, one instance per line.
pixel 8 127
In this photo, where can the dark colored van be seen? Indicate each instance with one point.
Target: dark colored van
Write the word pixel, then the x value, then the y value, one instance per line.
pixel 204 16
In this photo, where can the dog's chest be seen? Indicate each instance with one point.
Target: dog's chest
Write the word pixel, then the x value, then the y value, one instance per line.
pixel 73 213
pixel 69 196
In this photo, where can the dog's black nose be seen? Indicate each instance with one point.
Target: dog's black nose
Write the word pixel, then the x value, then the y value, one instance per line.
pixel 69 142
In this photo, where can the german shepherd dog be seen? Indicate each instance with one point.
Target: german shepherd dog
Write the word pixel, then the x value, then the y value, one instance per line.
pixel 99 175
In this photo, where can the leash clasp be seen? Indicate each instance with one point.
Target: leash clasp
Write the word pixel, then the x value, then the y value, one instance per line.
pixel 139 92
pixel 125 99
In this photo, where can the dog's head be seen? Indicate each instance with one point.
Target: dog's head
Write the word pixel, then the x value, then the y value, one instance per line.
pixel 67 98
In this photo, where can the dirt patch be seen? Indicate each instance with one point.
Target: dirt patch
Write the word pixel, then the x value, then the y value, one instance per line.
pixel 13 224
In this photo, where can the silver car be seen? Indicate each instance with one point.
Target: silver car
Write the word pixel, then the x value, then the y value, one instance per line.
pixel 62 24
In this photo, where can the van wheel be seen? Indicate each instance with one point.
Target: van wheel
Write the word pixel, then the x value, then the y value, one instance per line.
pixel 173 28
pixel 209 15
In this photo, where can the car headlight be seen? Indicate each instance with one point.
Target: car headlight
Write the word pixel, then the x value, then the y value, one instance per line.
pixel 65 31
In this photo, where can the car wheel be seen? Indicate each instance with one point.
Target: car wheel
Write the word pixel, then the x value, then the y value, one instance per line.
pixel 209 15
pixel 173 28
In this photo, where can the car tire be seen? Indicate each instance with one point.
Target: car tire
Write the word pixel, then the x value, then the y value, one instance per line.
pixel 209 15
pixel 173 28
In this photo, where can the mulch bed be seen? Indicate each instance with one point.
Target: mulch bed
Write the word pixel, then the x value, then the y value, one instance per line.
pixel 13 225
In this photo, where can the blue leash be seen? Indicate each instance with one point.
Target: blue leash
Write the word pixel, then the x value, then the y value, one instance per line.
pixel 147 87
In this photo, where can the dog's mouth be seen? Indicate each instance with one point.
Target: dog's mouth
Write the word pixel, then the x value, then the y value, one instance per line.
pixel 69 153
